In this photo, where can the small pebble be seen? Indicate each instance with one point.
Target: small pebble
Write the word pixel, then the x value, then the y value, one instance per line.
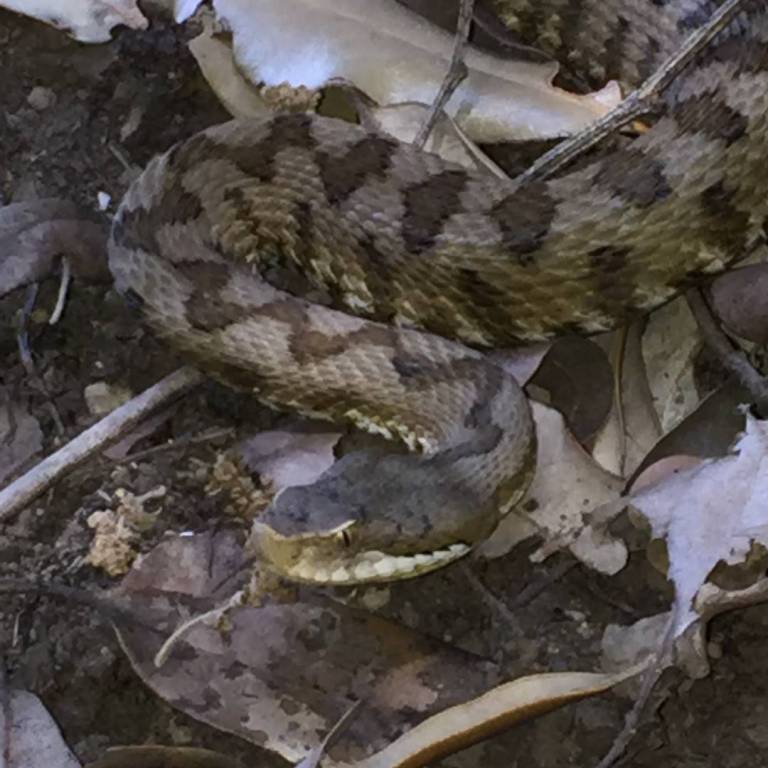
pixel 102 398
pixel 40 98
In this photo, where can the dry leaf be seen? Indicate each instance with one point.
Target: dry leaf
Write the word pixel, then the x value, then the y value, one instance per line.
pixel 576 377
pixel 670 343
pixel 740 299
pixel 89 21
pixel 29 736
pixel 502 707
pixel 283 458
pixel 20 438
pixel 395 56
pixel 403 121
pixel 282 673
pixel 34 234
pixel 632 428
pixel 214 57
pixel 567 487
pixel 710 513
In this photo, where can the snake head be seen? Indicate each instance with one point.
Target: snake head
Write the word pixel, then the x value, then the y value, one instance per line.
pixel 371 517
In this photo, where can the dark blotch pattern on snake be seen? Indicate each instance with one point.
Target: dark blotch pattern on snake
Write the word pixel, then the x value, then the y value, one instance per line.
pixel 400 271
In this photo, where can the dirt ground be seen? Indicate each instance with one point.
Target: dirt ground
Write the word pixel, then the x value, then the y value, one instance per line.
pixel 66 141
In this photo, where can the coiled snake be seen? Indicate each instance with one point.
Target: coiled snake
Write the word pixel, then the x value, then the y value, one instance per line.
pixel 347 275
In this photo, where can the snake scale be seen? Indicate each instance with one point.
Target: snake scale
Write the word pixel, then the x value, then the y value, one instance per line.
pixel 344 274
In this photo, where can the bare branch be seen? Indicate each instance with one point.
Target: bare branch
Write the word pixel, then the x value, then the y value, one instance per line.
pixel 51 469
pixel 456 72
pixel 639 102
pixel 659 662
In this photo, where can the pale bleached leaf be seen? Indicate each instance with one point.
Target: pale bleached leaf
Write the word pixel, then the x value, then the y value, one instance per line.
pixel 29 736
pixel 670 343
pixel 34 234
pixel 285 670
pixel 214 57
pixel 632 427
pixel 20 438
pixel 395 56
pixel 710 513
pixel 567 487
pixel 89 21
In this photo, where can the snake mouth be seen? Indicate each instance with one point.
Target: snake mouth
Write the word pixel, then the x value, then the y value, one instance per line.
pixel 320 559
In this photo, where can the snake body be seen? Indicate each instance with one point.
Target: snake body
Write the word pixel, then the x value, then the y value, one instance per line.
pixel 341 273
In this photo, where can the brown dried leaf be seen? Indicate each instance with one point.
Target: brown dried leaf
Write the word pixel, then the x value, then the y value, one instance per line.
pixel 34 234
pixel 214 57
pixel 567 487
pixel 670 343
pixel 511 703
pixel 284 672
pixel 708 432
pixel 740 299
pixel 577 378
pixel 632 430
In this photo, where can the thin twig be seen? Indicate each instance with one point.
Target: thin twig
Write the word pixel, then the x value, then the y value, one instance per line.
pixel 650 678
pixel 207 436
pixel 312 760
pixel 215 614
pixel 732 358
pixel 494 603
pixel 618 352
pixel 28 359
pixel 104 606
pixel 531 591
pixel 456 72
pixel 22 329
pixel 639 102
pixel 61 299
pixel 41 477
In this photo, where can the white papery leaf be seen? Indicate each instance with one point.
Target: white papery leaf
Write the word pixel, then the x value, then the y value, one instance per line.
pixel 395 56
pixel 89 21
pixel 709 513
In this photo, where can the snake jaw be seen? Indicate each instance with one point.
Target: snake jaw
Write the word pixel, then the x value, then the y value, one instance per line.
pixel 319 558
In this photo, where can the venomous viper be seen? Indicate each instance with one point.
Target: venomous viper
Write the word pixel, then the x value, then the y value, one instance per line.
pixel 347 275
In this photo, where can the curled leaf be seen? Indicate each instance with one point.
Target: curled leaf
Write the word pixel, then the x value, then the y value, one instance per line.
pixel 500 708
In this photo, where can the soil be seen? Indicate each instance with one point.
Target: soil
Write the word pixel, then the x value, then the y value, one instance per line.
pixel 70 141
